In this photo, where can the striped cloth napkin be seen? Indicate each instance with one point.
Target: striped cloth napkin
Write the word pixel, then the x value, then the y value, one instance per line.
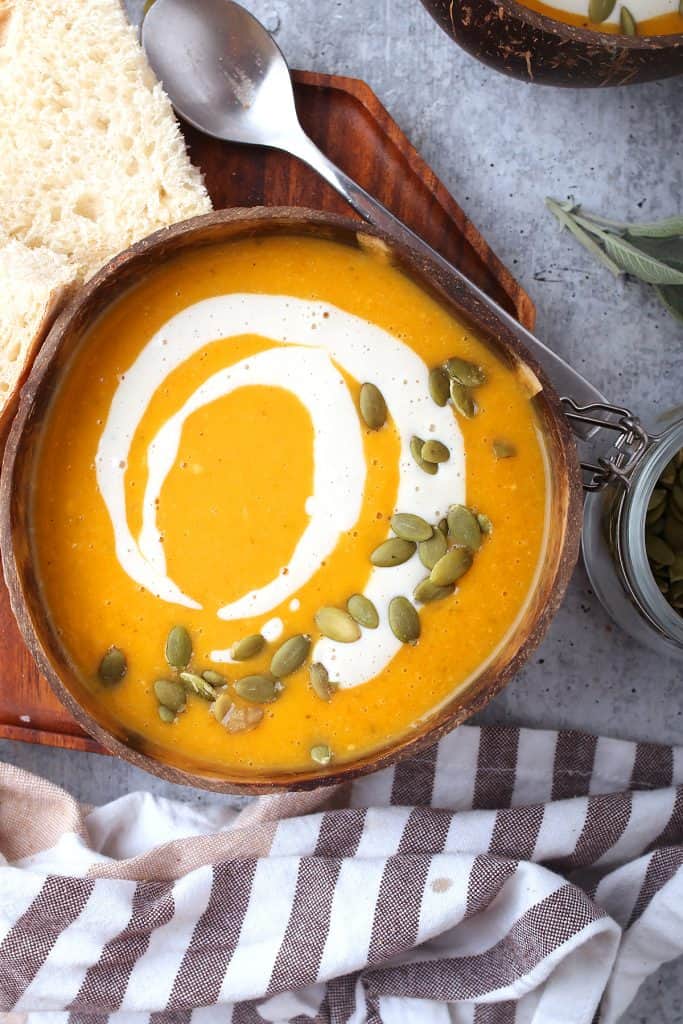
pixel 506 875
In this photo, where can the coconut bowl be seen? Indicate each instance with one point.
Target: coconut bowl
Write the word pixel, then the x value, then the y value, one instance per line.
pixel 524 44
pixel 17 474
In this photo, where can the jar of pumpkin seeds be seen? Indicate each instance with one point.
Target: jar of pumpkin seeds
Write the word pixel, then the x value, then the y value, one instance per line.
pixel 633 543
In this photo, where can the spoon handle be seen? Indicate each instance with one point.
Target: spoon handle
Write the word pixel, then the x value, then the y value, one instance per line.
pixel 568 383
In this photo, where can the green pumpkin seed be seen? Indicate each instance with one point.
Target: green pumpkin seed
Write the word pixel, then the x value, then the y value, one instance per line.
pixel 658 550
pixel 373 408
pixel 363 611
pixel 465 372
pixel 221 706
pixel 454 564
pixel 165 714
pixel 321 754
pixel 320 681
pixel 485 524
pixel 170 693
pixel 656 526
pixel 673 533
pixel 654 514
pixel 676 569
pixel 663 586
pixel 668 477
pixel 439 385
pixel 394 551
pixel 198 685
pixel 337 624
pixel 657 498
pixel 430 551
pixel 463 528
pixel 677 497
pixel 627 23
pixel 600 10
pixel 462 400
pixel 258 689
pixel 404 620
pixel 426 591
pixel 242 719
pixel 410 527
pixel 248 647
pixel 290 656
pixel 435 451
pixel 178 647
pixel 214 678
pixel 416 451
pixel 113 666
pixel 504 449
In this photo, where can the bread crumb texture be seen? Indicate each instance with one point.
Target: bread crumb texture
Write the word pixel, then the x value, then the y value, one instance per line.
pixel 91 157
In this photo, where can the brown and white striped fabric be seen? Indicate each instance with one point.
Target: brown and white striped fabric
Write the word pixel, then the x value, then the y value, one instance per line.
pixel 507 876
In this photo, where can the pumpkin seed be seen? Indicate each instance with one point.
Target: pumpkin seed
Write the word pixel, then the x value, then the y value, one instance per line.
pixel 430 551
pixel 242 719
pixel 668 477
pixel 290 656
pixel 676 569
pixel 657 498
pixel 416 451
pixel 654 514
pixel 435 451
pixel 214 678
pixel 170 693
pixel 410 527
pixel 658 550
pixel 439 385
pixel 656 525
pixel 373 408
pixel 363 611
pixel 465 372
pixel 443 526
pixel 320 681
pixel 677 496
pixel 485 524
pixel 504 449
pixel 321 754
pixel 113 666
pixel 463 528
pixel 663 586
pixel 258 689
pixel 600 10
pixel 394 551
pixel 337 624
pixel 627 23
pixel 454 564
pixel 165 714
pixel 178 647
pixel 198 685
pixel 221 706
pixel 404 620
pixel 462 400
pixel 673 533
pixel 426 591
pixel 248 647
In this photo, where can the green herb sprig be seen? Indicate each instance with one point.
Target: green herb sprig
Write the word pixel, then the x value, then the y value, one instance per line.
pixel 653 253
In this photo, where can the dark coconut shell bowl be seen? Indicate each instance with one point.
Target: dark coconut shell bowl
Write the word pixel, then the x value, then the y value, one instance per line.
pixel 17 474
pixel 524 44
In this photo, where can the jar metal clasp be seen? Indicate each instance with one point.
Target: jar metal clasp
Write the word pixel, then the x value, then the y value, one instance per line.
pixel 626 451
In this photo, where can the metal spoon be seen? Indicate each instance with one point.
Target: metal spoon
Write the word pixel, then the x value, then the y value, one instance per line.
pixel 226 75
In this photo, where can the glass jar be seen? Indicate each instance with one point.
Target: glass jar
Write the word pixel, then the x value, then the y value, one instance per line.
pixel 619 486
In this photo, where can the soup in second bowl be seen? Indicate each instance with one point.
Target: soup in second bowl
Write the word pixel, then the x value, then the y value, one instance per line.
pixel 285 506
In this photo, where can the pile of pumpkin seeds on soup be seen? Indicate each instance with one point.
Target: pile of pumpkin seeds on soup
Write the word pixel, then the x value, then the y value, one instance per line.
pixel 664 532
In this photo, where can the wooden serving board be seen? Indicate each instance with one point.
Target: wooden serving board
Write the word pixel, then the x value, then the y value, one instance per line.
pixel 345 118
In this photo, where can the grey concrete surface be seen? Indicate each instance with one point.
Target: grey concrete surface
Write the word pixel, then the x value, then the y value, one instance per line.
pixel 500 146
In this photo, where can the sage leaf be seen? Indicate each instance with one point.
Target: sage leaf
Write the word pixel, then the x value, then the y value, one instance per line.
pixel 566 219
pixel 665 228
pixel 638 263
pixel 671 296
pixel 668 250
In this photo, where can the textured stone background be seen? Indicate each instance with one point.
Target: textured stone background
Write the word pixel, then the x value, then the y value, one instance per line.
pixel 500 147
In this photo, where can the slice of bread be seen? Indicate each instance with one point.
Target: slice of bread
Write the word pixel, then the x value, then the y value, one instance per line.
pixel 33 285
pixel 91 158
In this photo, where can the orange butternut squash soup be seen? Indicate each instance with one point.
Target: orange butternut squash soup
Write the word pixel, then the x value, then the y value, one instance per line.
pixel 285 506
pixel 623 17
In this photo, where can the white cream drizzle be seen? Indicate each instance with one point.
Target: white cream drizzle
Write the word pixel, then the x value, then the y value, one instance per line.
pixel 317 336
